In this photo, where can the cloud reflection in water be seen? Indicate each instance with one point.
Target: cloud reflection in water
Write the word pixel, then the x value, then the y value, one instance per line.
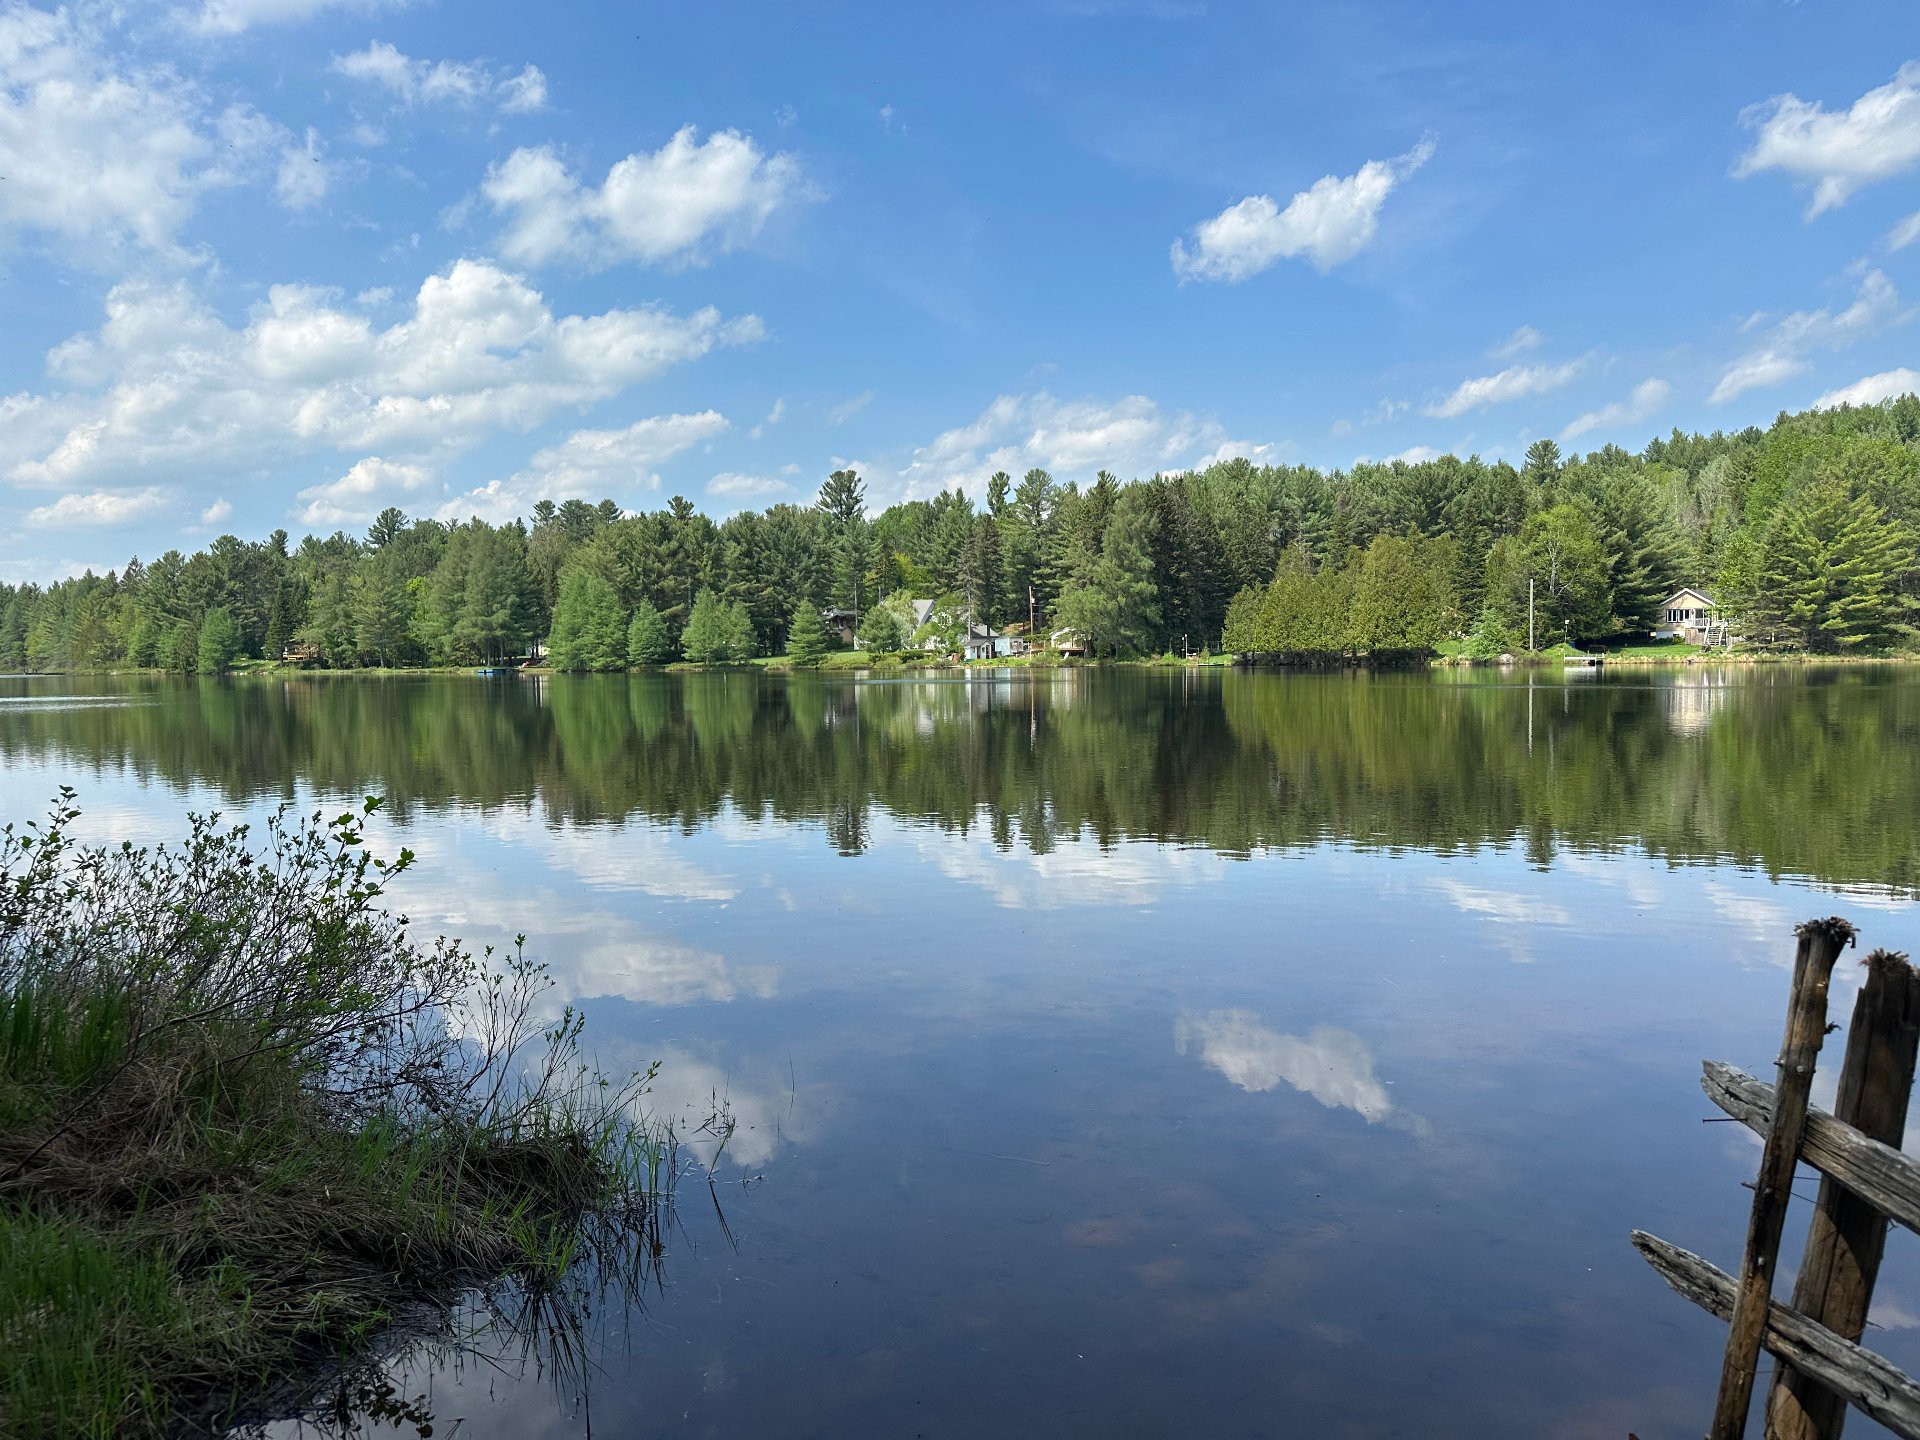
pixel 1333 1066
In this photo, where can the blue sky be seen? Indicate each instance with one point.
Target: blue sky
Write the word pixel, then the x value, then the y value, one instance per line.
pixel 284 262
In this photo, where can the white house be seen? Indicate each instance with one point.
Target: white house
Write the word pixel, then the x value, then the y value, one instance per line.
pixel 1688 615
pixel 1069 642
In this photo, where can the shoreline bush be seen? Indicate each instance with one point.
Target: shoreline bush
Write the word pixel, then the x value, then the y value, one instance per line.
pixel 246 1119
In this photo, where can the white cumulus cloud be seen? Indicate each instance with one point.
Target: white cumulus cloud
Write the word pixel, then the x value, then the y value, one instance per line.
pixel 1412 455
pixel 1331 221
pixel 678 204
pixel 103 154
pixel 1516 382
pixel 230 17
pixel 100 507
pixel 1647 398
pixel 1872 389
pixel 590 465
pixel 1783 348
pixel 1838 151
pixel 167 388
pixel 1252 451
pixel 363 492
pixel 448 82
pixel 1131 436
pixel 733 486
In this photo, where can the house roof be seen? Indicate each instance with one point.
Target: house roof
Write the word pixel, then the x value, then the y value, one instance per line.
pixel 1687 592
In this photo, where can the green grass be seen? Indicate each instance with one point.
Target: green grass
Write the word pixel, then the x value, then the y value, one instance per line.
pixel 1657 650
pixel 236 1137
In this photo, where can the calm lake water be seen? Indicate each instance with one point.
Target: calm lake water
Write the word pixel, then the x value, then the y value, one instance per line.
pixel 1121 1053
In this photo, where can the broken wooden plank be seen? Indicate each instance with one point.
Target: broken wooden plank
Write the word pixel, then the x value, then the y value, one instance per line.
pixel 1820 944
pixel 1848 1235
pixel 1886 1178
pixel 1865 1380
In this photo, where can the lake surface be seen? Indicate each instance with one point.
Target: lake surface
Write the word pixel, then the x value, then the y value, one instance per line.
pixel 1119 1053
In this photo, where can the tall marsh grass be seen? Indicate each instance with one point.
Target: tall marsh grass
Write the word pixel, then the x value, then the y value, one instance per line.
pixel 246 1116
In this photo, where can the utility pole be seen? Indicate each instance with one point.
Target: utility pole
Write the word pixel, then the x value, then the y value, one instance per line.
pixel 1530 613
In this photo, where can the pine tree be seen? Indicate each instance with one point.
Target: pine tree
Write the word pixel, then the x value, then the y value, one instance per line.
pixel 881 632
pixel 589 630
pixel 1114 605
pixel 13 636
pixel 806 637
pixel 143 643
pixel 279 625
pixel 218 643
pixel 183 648
pixel 704 641
pixel 736 632
pixel 1829 573
pixel 647 642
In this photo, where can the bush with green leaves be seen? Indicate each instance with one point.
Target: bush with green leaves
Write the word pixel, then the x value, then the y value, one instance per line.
pixel 245 1113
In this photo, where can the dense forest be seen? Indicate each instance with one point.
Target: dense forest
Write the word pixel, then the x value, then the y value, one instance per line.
pixel 1803 532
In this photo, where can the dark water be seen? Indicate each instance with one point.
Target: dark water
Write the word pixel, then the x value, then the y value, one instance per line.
pixel 1121 1054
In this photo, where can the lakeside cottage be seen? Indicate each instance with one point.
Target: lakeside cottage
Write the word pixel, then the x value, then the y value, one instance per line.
pixel 1688 615
pixel 1070 642
pixel 984 644
pixel 840 622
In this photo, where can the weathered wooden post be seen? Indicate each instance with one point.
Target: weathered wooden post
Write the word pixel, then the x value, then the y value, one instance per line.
pixel 1848 1235
pixel 1821 942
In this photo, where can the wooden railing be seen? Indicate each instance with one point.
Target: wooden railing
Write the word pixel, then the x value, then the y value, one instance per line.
pixel 1867 1182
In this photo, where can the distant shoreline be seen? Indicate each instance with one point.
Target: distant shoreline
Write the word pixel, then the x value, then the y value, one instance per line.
pixel 836 666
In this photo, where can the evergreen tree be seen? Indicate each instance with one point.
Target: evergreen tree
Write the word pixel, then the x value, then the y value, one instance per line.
pixel 978 577
pixel 736 632
pixel 183 647
pixel 589 628
pixel 843 502
pixel 1490 636
pixel 1541 472
pixel 1642 552
pixel 647 642
pixel 13 635
pixel 881 632
pixel 705 640
pixel 386 526
pixel 1304 611
pixel 1402 597
pixel 1113 606
pixel 381 614
pixel 1830 572
pixel 218 644
pixel 143 643
pixel 280 624
pixel 806 637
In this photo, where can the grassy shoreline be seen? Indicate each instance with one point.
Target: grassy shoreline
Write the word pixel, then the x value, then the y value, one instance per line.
pixel 241 1130
pixel 848 661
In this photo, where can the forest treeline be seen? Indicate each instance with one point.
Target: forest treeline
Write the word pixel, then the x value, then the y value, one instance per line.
pixel 1804 532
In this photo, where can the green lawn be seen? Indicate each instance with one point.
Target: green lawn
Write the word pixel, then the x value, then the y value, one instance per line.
pixel 1658 650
